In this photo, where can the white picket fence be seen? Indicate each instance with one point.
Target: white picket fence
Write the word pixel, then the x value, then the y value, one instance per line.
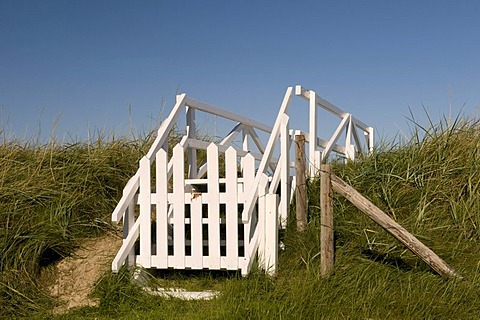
pixel 222 213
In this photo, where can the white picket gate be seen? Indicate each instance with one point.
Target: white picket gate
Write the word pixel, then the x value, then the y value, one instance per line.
pixel 222 213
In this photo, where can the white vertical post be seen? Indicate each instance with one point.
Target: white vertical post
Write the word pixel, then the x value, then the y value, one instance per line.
pixel 262 191
pixel 213 207
pixel 179 207
pixel 191 153
pixel 370 139
pixel 248 178
pixel 245 144
pixel 349 148
pixel 271 234
pixel 231 190
pixel 145 214
pixel 196 228
pixel 312 127
pixel 285 170
pixel 130 219
pixel 161 163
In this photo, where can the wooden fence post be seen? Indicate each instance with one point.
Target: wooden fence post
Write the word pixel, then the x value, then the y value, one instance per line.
pixel 326 221
pixel 300 191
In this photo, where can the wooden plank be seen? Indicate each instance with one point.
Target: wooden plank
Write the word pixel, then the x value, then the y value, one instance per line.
pixel 213 207
pixel 301 186
pixel 326 221
pixel 392 227
pixel 179 207
pixel 231 190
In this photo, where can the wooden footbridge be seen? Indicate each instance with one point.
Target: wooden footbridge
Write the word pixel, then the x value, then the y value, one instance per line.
pixel 218 205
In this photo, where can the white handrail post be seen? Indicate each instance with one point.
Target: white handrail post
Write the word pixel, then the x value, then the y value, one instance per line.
pixel 370 139
pixel 349 147
pixel 271 234
pixel 245 145
pixel 312 127
pixel 191 153
pixel 145 213
pixel 262 210
pixel 285 170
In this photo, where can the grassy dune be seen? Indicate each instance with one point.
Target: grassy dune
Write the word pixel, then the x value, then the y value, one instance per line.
pixel 53 195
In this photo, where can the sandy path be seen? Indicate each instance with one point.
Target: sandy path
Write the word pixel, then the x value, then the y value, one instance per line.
pixel 77 275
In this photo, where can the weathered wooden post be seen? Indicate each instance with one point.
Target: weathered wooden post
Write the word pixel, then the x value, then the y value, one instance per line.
pixel 392 227
pixel 326 221
pixel 300 190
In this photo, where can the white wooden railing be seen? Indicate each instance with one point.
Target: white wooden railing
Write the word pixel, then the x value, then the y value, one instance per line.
pixel 224 212
pixel 190 217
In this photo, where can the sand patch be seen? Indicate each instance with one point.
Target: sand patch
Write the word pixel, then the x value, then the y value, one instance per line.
pixel 76 276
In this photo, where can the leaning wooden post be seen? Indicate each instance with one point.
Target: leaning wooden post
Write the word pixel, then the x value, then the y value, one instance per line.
pixel 326 221
pixel 300 191
pixel 392 227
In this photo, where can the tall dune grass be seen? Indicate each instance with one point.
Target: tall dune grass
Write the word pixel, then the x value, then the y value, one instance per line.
pixel 53 195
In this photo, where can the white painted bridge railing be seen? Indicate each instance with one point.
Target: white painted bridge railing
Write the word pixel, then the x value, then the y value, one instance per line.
pixel 222 212
pixel 186 213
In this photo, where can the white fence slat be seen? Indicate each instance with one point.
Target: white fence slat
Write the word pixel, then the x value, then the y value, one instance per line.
pixel 231 190
pixel 179 207
pixel 271 233
pixel 213 207
pixel 161 169
pixel 248 176
pixel 262 191
pixel 145 214
pixel 196 231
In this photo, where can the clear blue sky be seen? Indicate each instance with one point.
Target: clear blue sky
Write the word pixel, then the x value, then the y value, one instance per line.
pixel 85 62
